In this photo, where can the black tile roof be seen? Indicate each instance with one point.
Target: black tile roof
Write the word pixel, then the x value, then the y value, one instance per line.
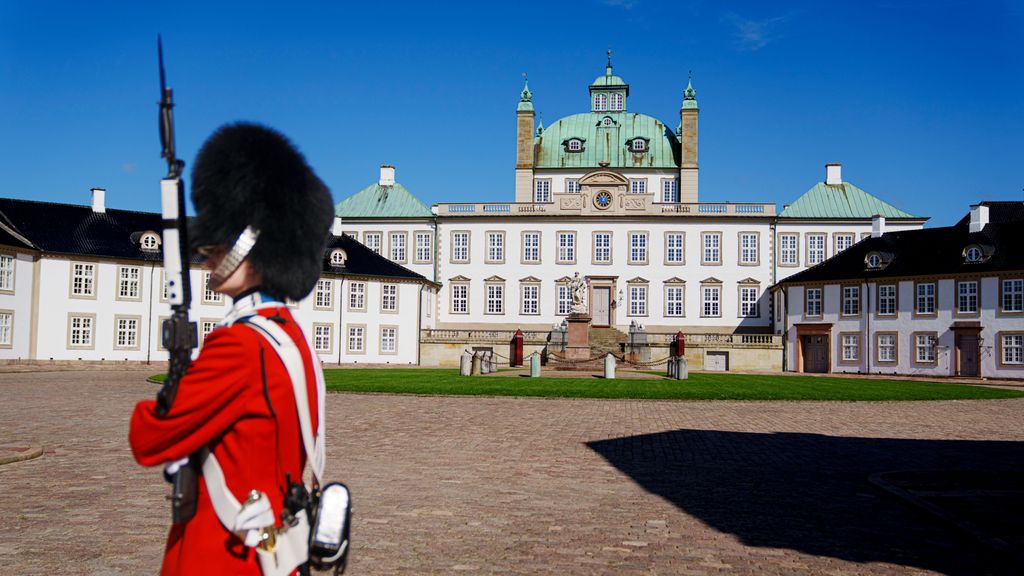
pixel 77 230
pixel 930 251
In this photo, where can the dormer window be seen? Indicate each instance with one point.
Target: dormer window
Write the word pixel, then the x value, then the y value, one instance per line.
pixel 600 102
pixel 977 253
pixel 573 145
pixel 637 145
pixel 607 121
pixel 150 241
pixel 338 257
pixel 877 260
pixel 615 102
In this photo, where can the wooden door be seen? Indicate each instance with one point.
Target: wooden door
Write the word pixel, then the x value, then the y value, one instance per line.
pixel 815 354
pixel 967 355
pixel 600 309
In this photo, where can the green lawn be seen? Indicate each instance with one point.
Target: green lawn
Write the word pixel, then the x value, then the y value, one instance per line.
pixel 698 387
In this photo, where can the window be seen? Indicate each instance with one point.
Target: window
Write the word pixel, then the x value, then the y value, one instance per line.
pixel 205 327
pixel 388 340
pixel 842 242
pixel 711 297
pixel 531 247
pixel 460 246
pixel 748 248
pixel 637 247
pixel 574 145
pixel 566 247
pixel 323 297
pixel 851 300
pixel 602 247
pixel 638 300
pixel 748 301
pixel 80 331
pixel 127 335
pixel 967 297
pixel 357 296
pixel 6 272
pixel 886 299
pixel 973 254
pixel 564 299
pixel 6 328
pixel 338 257
pixel 886 347
pixel 209 296
pixel 815 249
pixel 638 186
pixel 495 247
pixel 542 191
pixel 495 298
pixel 389 297
pixel 674 247
pixel 356 339
pixel 670 191
pixel 530 299
pixel 128 279
pixel 373 241
pixel 712 253
pixel 1012 346
pixel 851 347
pixel 397 244
pixel 424 247
pixel 601 102
pixel 674 301
pixel 615 102
pixel 924 348
pixel 813 306
pixel 638 145
pixel 460 298
pixel 322 337
pixel 1013 295
pixel 925 298
pixel 788 249
pixel 572 185
pixel 83 279
pixel 874 261
pixel 150 242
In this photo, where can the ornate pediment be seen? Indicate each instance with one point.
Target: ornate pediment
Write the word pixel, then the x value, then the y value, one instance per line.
pixel 749 281
pixel 711 280
pixel 530 279
pixel 675 280
pixel 494 278
pixel 637 280
pixel 604 178
pixel 563 279
pixel 459 278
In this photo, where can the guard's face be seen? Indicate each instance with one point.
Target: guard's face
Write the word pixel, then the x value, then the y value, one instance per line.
pixel 239 281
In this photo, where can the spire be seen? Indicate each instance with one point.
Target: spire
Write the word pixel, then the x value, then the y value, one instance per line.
pixel 608 69
pixel 525 97
pixel 690 95
pixel 540 125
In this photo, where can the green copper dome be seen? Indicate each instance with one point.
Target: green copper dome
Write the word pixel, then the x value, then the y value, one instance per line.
pixel 605 137
pixel 608 80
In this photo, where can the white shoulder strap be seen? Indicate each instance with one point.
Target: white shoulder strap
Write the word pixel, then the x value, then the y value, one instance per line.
pixel 290 356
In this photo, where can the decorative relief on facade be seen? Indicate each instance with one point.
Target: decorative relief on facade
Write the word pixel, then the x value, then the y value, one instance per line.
pixel 574 202
pixel 634 203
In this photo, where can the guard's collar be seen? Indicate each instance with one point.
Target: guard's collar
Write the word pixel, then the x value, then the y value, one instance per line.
pixel 247 303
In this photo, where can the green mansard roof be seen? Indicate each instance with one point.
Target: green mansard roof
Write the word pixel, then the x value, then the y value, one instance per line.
pixel 376 201
pixel 601 144
pixel 841 201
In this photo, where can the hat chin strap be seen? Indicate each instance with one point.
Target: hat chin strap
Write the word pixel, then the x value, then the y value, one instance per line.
pixel 243 245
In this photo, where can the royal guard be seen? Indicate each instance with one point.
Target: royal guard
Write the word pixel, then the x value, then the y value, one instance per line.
pixel 250 408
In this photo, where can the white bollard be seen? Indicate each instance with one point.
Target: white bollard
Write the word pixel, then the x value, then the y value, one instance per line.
pixel 465 364
pixel 682 368
pixel 485 364
pixel 535 365
pixel 609 367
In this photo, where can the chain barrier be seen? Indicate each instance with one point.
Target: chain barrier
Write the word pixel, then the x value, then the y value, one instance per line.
pixel 649 364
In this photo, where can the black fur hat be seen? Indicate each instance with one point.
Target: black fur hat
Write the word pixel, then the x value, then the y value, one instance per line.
pixel 247 174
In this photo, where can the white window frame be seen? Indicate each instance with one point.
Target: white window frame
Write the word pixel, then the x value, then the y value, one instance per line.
pixel 749 305
pixel 616 102
pixel 529 299
pixel 323 294
pixel 424 248
pixel 323 337
pixel 1011 349
pixel 563 299
pixel 355 341
pixel 850 301
pixel 459 293
pixel 711 248
pixel 389 340
pixel 816 252
pixel 675 300
pixel 675 248
pixel 398 245
pixel 925 297
pixel 566 247
pixel 6 329
pixel 711 301
pixel 602 247
pixel 83 280
pixel 789 249
pixel 531 247
pixel 600 102
pixel 389 298
pixel 968 295
pixel 750 248
pixel 129 283
pixel 887 347
pixel 8 264
pixel 495 298
pixel 542 190
pixel 1012 293
pixel 637 299
pixel 374 241
pixel 638 244
pixel 84 326
pixel 495 247
pixel 357 296
pixel 924 347
pixel 460 247
pixel 572 185
pixel 849 345
pixel 817 302
pixel 842 241
pixel 638 186
pixel 887 299
pixel 126 332
pixel 670 191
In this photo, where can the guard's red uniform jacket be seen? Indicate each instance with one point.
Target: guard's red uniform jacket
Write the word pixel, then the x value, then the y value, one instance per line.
pixel 221 404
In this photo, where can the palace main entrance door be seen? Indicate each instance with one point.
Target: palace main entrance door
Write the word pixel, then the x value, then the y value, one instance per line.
pixel 601 307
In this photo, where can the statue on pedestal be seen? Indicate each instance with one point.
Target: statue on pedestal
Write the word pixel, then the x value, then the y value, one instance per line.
pixel 578 293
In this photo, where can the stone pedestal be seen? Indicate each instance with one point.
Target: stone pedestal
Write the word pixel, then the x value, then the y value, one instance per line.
pixel 578 347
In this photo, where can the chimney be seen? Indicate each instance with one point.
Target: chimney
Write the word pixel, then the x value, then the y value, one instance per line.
pixel 336 227
pixel 979 218
pixel 98 197
pixel 834 174
pixel 387 175
pixel 877 225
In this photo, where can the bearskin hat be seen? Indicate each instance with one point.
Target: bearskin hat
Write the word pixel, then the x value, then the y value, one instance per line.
pixel 251 175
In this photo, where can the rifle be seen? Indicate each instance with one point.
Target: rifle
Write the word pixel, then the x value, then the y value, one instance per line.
pixel 178 333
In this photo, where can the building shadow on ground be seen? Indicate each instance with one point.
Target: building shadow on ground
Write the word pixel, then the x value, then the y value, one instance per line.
pixel 810 492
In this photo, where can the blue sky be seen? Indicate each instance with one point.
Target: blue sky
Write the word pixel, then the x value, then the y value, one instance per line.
pixel 922 101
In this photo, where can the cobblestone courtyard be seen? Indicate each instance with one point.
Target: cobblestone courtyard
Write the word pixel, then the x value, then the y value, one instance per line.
pixel 452 485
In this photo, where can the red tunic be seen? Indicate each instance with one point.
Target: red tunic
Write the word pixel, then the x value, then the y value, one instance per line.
pixel 221 404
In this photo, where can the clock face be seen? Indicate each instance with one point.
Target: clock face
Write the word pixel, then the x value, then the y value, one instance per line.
pixel 603 199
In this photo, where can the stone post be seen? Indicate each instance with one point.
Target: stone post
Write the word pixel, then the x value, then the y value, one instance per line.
pixel 682 368
pixel 485 363
pixel 465 363
pixel 475 366
pixel 609 367
pixel 535 365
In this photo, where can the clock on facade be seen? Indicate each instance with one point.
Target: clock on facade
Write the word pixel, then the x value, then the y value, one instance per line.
pixel 603 199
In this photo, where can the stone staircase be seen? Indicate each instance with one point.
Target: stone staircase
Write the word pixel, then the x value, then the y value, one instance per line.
pixel 604 340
